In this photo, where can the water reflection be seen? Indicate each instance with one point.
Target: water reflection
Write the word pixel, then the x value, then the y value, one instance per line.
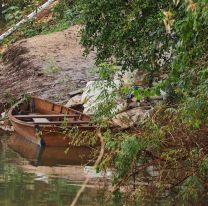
pixel 24 184
pixel 50 156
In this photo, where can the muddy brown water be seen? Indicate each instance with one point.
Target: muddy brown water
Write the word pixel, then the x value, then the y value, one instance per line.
pixel 30 176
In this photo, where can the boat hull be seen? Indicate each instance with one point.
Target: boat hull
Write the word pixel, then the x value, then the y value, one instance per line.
pixel 26 131
pixel 48 135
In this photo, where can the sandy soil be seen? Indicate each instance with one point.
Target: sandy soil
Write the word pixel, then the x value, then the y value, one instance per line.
pixel 49 66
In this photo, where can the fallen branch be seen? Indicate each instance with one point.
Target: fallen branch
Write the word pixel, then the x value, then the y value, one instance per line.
pixel 30 16
pixel 95 165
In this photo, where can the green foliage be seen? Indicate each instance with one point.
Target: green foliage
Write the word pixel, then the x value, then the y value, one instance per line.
pixel 189 67
pixel 66 11
pixel 127 153
pixel 203 167
pixel 137 35
pixel 132 34
pixel 128 33
pixel 12 14
pixel 106 72
pixel 191 189
pixel 194 111
pixel 107 90
pixel 65 14
pixel 13 10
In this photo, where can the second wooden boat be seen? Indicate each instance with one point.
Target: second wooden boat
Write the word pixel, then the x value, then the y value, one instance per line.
pixel 46 123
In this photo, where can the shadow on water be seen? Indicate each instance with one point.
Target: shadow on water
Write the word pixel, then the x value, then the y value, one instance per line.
pixel 31 176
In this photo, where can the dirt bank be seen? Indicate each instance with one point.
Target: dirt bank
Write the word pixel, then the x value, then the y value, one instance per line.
pixel 49 66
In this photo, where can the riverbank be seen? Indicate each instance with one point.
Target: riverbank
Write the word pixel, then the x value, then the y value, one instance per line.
pixel 49 66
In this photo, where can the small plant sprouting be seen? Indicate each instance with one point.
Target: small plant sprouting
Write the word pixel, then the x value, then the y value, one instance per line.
pixel 51 67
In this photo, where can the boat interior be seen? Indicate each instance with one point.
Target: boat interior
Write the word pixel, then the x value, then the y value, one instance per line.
pixel 41 112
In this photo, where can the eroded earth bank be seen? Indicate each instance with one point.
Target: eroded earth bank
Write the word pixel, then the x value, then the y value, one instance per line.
pixel 49 66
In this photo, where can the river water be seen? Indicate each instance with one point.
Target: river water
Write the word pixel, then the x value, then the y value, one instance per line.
pixel 30 176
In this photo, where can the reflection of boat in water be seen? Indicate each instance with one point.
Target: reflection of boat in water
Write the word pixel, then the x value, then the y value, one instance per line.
pixel 50 156
pixel 46 163
pixel 41 121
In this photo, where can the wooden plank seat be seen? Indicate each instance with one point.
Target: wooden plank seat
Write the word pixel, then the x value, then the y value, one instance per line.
pixel 41 120
pixel 45 116
pixel 59 122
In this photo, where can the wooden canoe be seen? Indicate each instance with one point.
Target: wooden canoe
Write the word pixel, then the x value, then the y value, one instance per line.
pixel 41 121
